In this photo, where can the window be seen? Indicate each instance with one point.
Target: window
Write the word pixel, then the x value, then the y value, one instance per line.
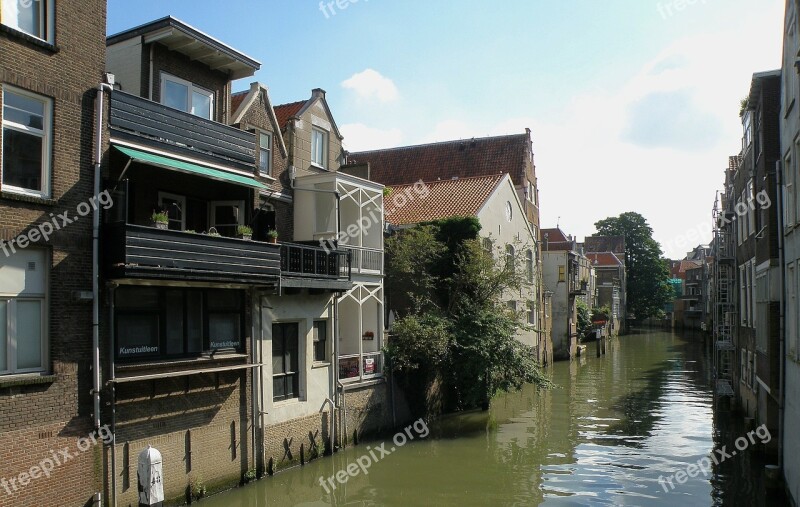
pixel 742 297
pixel 320 340
pixel 748 130
pixel 562 276
pixel 513 306
pixel 487 245
pixel 26 142
pixel 174 206
pixel 509 257
pixel 184 95
pixel 23 312
pixel 156 322
pixel 794 168
pixel 34 17
pixel 319 147
pixel 791 306
pixel 285 362
pixel 529 265
pixel 531 313
pixel 265 153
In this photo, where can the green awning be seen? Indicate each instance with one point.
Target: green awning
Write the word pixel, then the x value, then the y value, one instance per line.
pixel 187 167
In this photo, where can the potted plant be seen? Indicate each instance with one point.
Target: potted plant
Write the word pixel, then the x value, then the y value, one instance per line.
pixel 244 232
pixel 272 236
pixel 159 219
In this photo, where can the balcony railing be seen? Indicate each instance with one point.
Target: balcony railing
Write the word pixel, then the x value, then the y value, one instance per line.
pixel 366 260
pixel 135 251
pixel 314 262
pixel 143 121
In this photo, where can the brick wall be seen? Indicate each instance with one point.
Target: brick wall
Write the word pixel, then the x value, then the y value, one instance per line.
pixel 37 417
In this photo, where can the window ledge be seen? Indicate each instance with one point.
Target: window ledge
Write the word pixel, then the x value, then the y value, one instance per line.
pixel 13 196
pixel 355 384
pixel 26 380
pixel 30 39
pixel 319 364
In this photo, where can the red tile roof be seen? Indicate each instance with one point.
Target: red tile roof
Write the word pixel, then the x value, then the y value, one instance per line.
pixel 553 235
pixel 446 198
pixel 285 111
pixel 604 259
pixel 236 101
pixel 465 158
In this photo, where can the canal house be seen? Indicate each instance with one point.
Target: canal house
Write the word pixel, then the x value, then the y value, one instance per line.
pixel 51 63
pixel 505 233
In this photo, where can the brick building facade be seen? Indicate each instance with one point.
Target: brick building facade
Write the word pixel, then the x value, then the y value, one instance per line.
pixel 51 63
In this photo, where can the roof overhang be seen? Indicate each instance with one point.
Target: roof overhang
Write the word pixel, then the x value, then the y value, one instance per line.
pixel 757 83
pixel 178 36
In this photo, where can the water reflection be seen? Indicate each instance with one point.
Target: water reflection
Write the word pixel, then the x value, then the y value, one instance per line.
pixel 604 437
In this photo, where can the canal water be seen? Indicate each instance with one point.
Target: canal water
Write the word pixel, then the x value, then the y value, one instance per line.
pixel 604 436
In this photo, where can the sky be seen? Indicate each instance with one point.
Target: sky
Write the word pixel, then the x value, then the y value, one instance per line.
pixel 633 104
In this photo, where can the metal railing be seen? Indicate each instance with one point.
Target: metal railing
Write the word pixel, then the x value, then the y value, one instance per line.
pixel 312 261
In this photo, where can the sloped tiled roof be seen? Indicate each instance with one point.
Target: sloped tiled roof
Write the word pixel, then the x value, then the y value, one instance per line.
pixel 614 244
pixel 604 259
pixel 236 100
pixel 555 235
pixel 285 111
pixel 446 198
pixel 465 159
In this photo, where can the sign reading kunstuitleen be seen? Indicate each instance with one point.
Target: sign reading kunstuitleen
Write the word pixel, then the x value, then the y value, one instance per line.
pixel 143 349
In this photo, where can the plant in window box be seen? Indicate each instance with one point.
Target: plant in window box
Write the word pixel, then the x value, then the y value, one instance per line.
pixel 272 236
pixel 369 335
pixel 159 220
pixel 244 232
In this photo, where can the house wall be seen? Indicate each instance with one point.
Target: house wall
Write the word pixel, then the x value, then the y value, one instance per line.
pixel 124 60
pixel 200 424
pixel 517 233
pixel 790 130
pixel 299 137
pixel 563 307
pixel 39 413
pixel 290 423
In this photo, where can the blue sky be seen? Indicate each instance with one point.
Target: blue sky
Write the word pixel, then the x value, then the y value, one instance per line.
pixel 633 104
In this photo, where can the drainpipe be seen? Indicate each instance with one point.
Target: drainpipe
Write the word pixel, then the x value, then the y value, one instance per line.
pixel 98 155
pixel 113 388
pixel 782 333
pixel 254 373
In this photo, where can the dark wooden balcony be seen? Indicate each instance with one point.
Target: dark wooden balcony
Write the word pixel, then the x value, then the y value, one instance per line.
pixel 135 251
pixel 144 122
pixel 314 267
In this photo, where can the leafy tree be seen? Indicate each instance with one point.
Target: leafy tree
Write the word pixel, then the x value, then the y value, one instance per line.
pixel 647 289
pixel 457 328
pixel 584 317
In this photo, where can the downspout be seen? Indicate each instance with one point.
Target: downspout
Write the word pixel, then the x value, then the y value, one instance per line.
pixel 782 332
pixel 150 77
pixel 253 380
pixel 98 155
pixel 261 411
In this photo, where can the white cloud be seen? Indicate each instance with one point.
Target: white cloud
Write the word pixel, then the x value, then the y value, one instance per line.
pixel 372 84
pixel 359 137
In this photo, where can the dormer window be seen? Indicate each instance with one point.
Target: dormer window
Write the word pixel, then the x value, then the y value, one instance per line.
pixel 186 96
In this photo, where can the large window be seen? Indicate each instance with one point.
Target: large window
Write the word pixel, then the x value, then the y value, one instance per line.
pixel 788 193
pixel 510 257
pixel 186 96
pixel 265 153
pixel 175 206
pixel 34 17
pixel 23 312
pixel 319 147
pixel 529 265
pixel 26 142
pixel 154 322
pixel 285 362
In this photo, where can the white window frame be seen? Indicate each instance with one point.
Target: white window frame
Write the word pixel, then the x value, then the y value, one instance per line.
pixel 530 266
pixel 180 199
pixel 191 88
pixel 267 171
pixel 47 140
pixel 11 345
pixel 46 23
pixel 323 137
pixel 751 205
pixel 742 296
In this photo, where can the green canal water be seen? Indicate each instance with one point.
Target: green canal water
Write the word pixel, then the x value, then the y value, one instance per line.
pixel 613 426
